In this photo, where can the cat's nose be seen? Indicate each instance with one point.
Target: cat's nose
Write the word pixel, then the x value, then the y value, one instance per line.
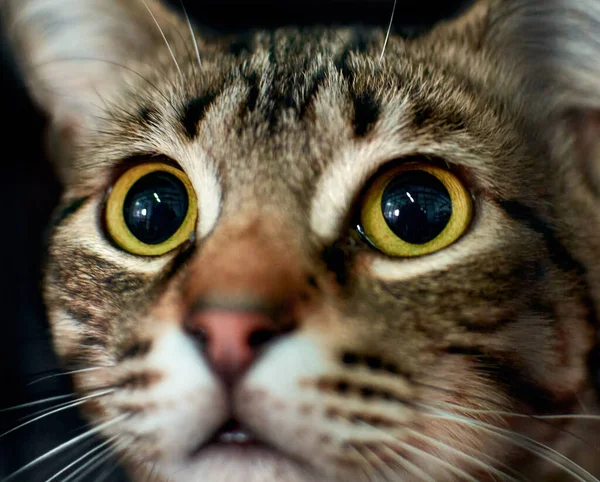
pixel 231 339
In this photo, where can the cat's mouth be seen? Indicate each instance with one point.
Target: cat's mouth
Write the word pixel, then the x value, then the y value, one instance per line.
pixel 231 433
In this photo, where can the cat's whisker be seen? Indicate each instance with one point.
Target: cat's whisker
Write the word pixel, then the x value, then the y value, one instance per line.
pixel 408 465
pixel 92 464
pixel 75 403
pixel 79 459
pixel 523 415
pixel 47 409
pixel 527 443
pixel 397 442
pixel 449 391
pixel 189 22
pixel 389 30
pixel 370 469
pixel 60 448
pixel 106 473
pixel 37 402
pixel 166 41
pixel 474 460
pixel 423 453
pixel 81 370
pixel 541 418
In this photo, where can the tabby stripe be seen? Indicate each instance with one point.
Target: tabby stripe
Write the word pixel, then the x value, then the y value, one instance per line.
pixel 253 91
pixel 181 258
pixel 366 112
pixel 515 381
pixel 195 110
pixel 69 210
pixel 563 259
pixel 318 80
pixel 559 254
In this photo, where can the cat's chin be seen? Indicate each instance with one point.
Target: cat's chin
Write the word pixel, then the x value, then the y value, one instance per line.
pixel 239 462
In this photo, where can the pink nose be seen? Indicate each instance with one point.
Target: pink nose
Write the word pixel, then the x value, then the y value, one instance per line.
pixel 231 339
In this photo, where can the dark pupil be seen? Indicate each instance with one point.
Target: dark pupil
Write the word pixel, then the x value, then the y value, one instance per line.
pixel 416 206
pixel 155 207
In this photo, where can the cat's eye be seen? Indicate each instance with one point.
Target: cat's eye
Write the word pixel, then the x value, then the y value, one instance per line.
pixel 151 209
pixel 414 209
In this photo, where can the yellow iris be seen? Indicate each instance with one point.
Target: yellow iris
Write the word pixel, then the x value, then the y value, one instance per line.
pixel 377 229
pixel 118 208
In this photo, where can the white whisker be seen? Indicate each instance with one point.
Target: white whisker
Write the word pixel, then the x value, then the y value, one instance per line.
pixel 84 456
pixel 389 30
pixel 402 461
pixel 522 415
pixel 474 460
pixel 372 470
pixel 37 402
pixel 523 441
pixel 64 446
pixel 65 373
pixel 77 402
pixel 189 22
pixel 104 475
pixel 96 461
pixel 165 39
pixel 434 458
pixel 408 465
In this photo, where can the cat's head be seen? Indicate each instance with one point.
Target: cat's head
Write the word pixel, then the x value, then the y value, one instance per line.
pixel 322 254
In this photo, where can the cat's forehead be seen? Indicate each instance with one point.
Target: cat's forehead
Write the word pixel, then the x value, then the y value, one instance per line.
pixel 279 111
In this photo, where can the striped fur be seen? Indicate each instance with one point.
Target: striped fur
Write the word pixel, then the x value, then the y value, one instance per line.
pixel 396 369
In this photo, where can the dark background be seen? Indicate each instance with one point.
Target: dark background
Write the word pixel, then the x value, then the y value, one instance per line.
pixel 29 191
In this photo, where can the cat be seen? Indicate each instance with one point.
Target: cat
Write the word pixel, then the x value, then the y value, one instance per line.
pixel 325 254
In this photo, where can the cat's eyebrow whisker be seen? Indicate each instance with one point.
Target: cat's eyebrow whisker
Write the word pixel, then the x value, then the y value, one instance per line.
pixel 166 41
pixel 79 401
pixel 474 460
pixel 71 372
pixel 83 457
pixel 189 22
pixel 65 445
pixel 527 443
pixel 389 30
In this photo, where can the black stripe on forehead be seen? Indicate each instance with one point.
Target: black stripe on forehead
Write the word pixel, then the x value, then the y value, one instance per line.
pixel 194 111
pixel 367 110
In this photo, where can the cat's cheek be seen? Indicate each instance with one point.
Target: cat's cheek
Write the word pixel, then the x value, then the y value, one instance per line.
pixel 180 407
pixel 65 332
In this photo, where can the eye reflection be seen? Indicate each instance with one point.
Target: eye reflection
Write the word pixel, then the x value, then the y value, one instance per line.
pixel 155 207
pixel 416 206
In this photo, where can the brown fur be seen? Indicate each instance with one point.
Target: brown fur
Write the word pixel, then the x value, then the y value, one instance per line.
pixel 502 321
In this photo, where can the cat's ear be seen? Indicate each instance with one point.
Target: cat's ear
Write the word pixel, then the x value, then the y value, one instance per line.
pixel 555 46
pixel 71 52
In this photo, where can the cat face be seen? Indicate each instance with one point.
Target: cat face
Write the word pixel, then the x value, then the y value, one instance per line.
pixel 289 315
